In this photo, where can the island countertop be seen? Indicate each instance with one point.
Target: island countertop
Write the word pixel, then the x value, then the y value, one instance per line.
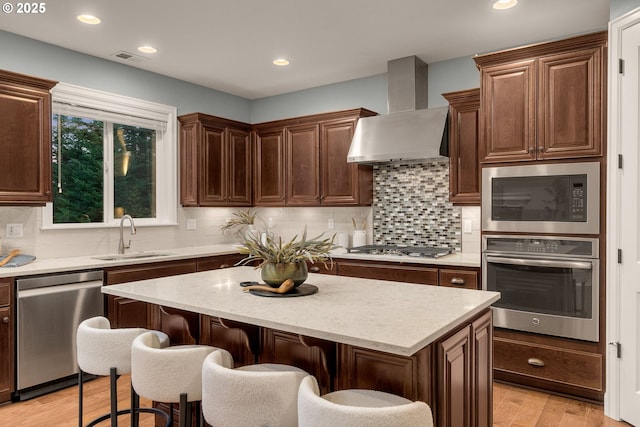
pixel 393 317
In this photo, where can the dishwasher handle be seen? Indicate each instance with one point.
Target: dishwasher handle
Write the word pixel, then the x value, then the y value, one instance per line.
pixel 34 292
pixel 58 279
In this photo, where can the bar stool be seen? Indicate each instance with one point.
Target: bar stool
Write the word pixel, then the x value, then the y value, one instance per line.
pixel 105 351
pixel 358 408
pixel 253 395
pixel 168 374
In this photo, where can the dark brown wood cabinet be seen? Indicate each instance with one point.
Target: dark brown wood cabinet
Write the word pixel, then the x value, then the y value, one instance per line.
pixel 545 101
pixel 303 162
pixel 127 313
pixel 25 139
pixel 551 363
pixel 6 339
pixel 269 177
pixel 215 161
pixel 436 275
pixel 464 164
pixel 342 183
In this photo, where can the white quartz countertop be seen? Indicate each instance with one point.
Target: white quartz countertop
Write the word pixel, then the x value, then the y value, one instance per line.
pixel 393 317
pixel 89 262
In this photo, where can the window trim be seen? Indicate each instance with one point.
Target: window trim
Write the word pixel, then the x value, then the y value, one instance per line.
pixel 166 153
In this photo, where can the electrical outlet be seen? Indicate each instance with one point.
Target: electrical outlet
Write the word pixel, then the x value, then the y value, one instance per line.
pixel 192 224
pixel 14 230
pixel 331 224
pixel 467 226
pixel 270 222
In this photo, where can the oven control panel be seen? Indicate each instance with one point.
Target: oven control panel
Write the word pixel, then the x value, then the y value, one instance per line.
pixel 582 247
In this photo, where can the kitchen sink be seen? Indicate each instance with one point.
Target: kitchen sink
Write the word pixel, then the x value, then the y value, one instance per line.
pixel 137 255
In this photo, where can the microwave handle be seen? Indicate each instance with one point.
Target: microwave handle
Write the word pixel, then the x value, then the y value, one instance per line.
pixel 581 265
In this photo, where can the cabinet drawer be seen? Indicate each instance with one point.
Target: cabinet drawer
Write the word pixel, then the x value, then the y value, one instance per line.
pixel 217 262
pixel 459 279
pixel 5 293
pixel 565 366
pixel 399 273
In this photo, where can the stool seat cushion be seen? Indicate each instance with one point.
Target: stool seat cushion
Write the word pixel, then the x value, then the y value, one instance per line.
pixel 100 348
pixel 162 373
pixel 253 395
pixel 378 409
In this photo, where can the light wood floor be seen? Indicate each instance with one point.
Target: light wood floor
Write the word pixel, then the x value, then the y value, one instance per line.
pixel 513 407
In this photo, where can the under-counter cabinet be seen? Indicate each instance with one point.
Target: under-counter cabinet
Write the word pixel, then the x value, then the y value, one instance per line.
pixel 557 364
pixel 6 339
pixel 25 139
pixel 545 101
pixel 303 162
pixel 464 165
pixel 215 161
pixel 441 275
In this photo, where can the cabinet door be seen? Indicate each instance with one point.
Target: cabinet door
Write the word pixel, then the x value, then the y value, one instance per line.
pixel 269 181
pixel 342 183
pixel 6 340
pixel 464 171
pixel 482 345
pixel 213 167
pixel 570 99
pixel 302 165
pixel 454 380
pixel 239 189
pixel 25 140
pixel 128 313
pixel 507 101
pixel 189 163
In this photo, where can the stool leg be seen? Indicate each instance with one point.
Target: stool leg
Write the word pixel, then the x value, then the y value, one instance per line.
pixel 135 405
pixel 185 411
pixel 80 394
pixel 114 397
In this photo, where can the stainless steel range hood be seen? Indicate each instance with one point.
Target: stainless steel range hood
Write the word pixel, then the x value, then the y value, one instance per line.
pixel 410 132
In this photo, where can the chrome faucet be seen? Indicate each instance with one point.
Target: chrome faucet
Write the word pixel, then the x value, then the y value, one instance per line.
pixel 121 245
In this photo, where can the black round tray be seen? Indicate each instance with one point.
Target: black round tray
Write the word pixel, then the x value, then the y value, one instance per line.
pixel 299 291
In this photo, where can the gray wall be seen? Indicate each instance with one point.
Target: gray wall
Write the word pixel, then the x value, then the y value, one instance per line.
pixel 620 7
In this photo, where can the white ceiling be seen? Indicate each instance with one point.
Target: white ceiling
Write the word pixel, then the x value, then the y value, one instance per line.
pixel 229 45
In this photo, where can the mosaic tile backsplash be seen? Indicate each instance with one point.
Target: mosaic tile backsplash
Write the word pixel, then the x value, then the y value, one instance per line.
pixel 411 205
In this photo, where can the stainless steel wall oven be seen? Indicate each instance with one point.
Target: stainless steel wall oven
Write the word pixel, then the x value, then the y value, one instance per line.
pixel 548 284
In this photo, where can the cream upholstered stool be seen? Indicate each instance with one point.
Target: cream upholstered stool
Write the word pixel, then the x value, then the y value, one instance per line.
pixel 105 351
pixel 253 395
pixel 168 374
pixel 358 408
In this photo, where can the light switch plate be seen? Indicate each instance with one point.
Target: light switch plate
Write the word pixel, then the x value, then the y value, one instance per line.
pixel 466 226
pixel 191 224
pixel 14 230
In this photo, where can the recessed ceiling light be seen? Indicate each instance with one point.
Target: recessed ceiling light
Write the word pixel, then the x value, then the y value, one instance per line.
pixel 88 19
pixel 281 62
pixel 147 49
pixel 504 4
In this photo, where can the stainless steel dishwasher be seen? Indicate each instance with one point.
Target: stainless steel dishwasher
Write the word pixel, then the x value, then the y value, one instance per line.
pixel 49 310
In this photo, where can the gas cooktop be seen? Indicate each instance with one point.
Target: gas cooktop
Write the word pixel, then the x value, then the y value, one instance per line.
pixel 415 251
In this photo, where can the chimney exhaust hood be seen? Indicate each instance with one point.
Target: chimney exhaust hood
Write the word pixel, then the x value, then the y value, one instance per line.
pixel 410 132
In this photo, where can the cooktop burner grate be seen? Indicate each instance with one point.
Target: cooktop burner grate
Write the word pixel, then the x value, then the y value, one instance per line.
pixel 415 251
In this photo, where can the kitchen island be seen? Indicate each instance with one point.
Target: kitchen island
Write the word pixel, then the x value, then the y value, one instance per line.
pixel 423 342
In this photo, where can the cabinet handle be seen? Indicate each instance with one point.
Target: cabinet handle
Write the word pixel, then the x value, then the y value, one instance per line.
pixel 314 269
pixel 457 281
pixel 5 319
pixel 530 149
pixel 534 361
pixel 224 266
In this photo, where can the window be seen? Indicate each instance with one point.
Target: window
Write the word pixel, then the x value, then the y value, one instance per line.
pixel 111 155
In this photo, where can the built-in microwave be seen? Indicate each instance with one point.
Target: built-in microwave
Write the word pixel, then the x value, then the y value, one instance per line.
pixel 560 198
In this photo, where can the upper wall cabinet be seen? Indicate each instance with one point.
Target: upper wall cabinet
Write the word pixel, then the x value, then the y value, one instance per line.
pixel 215 161
pixel 25 139
pixel 303 162
pixel 464 170
pixel 545 101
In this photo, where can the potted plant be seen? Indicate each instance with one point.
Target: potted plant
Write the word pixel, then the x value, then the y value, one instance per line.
pixel 280 260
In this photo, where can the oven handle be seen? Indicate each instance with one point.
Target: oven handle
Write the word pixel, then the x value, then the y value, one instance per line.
pixel 582 265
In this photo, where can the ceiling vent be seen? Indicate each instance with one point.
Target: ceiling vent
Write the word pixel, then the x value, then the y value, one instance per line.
pixel 130 57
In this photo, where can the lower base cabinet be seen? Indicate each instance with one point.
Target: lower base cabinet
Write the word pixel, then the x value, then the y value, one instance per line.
pixel 556 364
pixel 6 340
